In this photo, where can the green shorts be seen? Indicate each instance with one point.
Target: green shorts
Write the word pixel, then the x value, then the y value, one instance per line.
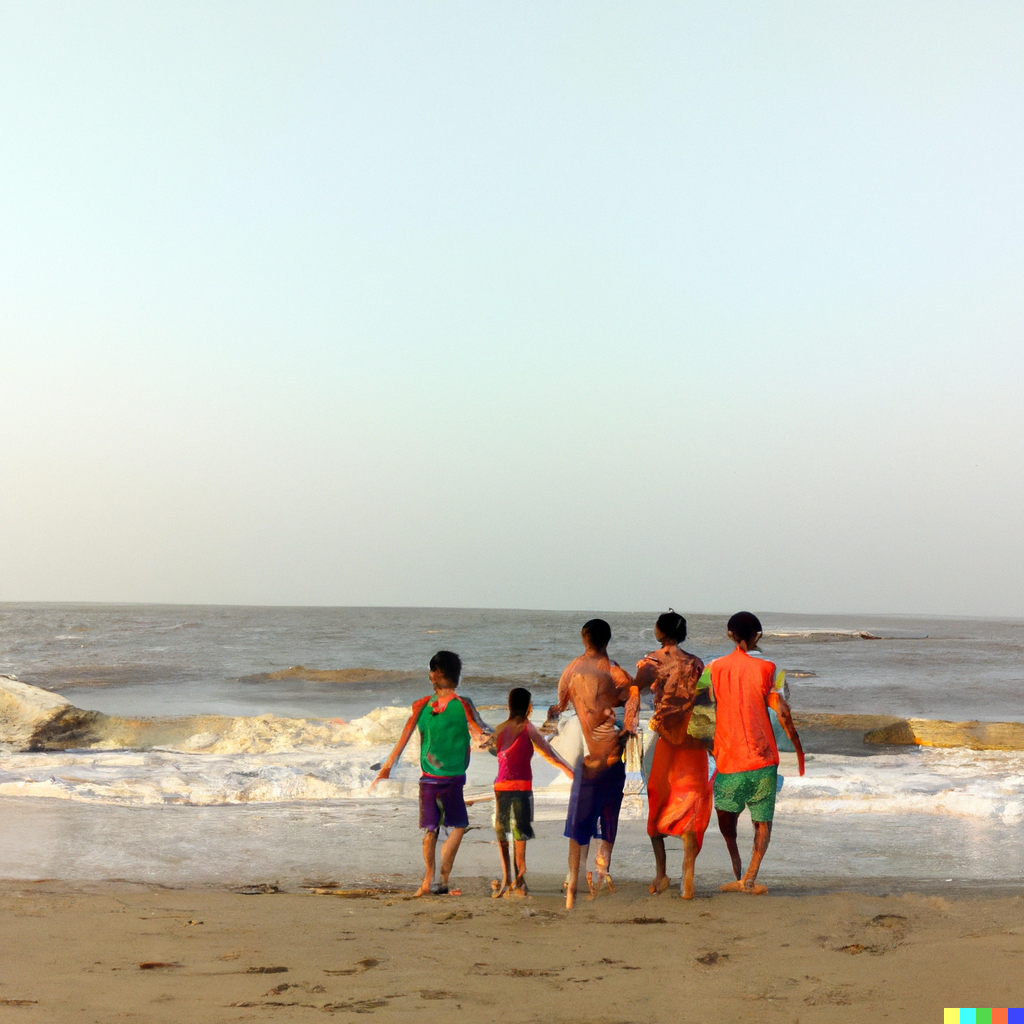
pixel 755 789
pixel 513 813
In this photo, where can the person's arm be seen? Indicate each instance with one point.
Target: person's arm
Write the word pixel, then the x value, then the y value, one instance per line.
pixel 547 751
pixel 623 681
pixel 479 730
pixel 385 769
pixel 781 708
pixel 646 673
pixel 631 718
pixel 563 696
pixel 492 746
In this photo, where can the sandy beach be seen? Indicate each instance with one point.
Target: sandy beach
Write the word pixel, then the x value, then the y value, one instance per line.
pixel 120 951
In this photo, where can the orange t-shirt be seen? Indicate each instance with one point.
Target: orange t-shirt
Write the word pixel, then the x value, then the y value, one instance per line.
pixel 744 738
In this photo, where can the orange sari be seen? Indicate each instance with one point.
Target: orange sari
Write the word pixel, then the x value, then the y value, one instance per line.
pixel 679 792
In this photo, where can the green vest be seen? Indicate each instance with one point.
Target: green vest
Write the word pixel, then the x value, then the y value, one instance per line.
pixel 444 739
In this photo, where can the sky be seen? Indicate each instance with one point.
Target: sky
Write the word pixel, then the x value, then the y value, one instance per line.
pixel 533 305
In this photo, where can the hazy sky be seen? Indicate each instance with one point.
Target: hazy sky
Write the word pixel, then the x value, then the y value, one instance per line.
pixel 521 305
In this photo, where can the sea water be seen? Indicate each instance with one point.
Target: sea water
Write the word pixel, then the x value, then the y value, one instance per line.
pixel 267 799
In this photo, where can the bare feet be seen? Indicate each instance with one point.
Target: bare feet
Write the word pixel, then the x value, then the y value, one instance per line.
pixel 686 893
pixel 498 889
pixel 570 898
pixel 519 889
pixel 659 885
pixel 602 880
pixel 749 889
pixel 422 890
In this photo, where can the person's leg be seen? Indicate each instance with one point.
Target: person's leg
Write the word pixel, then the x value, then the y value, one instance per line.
pixel 519 889
pixel 762 837
pixel 448 851
pixel 429 846
pixel 502 825
pixel 761 802
pixel 690 848
pixel 603 863
pixel 661 879
pixel 613 780
pixel 456 818
pixel 506 870
pixel 576 853
pixel 727 826
pixel 748 883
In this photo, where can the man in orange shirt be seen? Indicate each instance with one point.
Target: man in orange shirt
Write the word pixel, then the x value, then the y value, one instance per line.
pixel 746 755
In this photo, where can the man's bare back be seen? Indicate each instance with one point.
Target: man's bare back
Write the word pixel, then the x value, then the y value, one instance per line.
pixel 596 686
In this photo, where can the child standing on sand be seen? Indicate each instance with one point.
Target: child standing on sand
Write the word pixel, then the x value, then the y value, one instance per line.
pixel 514 742
pixel 445 721
pixel 745 750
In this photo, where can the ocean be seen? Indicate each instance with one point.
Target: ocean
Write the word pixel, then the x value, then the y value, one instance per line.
pixel 274 788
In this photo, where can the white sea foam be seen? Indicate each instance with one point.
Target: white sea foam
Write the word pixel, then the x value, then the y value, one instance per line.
pixel 983 785
pixel 267 760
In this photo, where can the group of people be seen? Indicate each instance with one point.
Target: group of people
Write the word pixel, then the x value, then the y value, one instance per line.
pixel 680 789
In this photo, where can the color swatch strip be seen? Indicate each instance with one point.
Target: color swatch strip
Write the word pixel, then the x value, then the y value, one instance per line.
pixel 978 1015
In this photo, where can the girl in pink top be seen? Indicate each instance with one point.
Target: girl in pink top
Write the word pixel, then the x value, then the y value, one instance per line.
pixel 514 742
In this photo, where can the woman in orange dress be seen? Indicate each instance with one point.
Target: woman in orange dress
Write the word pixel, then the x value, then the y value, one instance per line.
pixel 679 792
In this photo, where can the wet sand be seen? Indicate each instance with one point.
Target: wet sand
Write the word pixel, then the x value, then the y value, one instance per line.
pixel 80 954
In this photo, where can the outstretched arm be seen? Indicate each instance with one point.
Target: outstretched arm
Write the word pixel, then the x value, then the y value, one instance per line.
pixel 385 770
pixel 646 673
pixel 479 729
pixel 547 751
pixel 623 681
pixel 781 708
pixel 631 718
pixel 563 696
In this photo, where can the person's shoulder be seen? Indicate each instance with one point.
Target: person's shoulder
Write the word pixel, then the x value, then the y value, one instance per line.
pixel 574 665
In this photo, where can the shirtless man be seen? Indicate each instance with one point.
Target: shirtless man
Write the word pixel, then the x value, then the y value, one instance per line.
pixel 596 686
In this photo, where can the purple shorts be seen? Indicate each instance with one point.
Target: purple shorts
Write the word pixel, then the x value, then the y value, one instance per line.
pixel 594 804
pixel 441 803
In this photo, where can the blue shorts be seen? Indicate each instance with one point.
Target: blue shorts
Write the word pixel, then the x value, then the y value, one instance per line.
pixel 441 803
pixel 594 804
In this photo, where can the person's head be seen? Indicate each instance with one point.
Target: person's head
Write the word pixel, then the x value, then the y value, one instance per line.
pixel 519 700
pixel 445 669
pixel 672 625
pixel 596 633
pixel 745 628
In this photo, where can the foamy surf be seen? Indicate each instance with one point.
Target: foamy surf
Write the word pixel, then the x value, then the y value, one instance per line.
pixel 32 719
pixel 956 783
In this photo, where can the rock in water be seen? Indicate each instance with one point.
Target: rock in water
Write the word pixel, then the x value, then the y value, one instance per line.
pixel 35 719
pixel 925 732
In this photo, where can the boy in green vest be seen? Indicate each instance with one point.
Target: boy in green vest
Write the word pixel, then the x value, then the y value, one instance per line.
pixel 445 722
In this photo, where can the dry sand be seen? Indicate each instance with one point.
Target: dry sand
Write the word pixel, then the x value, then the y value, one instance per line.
pixel 74 954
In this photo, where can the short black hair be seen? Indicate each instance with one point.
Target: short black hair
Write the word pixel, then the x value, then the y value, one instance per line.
pixel 519 700
pixel 673 625
pixel 745 626
pixel 448 664
pixel 598 632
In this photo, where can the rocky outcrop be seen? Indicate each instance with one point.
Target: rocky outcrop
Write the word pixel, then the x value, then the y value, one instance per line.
pixel 35 719
pixel 927 732
pixel 32 719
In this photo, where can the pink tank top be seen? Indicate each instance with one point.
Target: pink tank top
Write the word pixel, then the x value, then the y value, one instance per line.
pixel 514 771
